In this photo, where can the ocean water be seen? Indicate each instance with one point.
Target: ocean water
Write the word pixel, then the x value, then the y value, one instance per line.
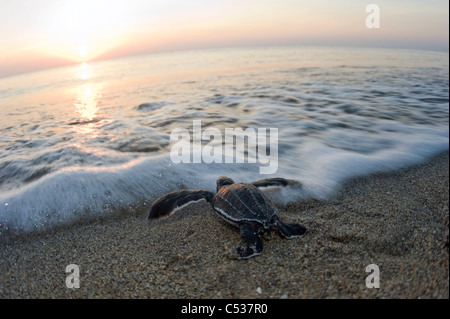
pixel 90 139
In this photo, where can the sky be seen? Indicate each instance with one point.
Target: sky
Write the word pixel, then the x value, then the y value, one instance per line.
pixel 38 34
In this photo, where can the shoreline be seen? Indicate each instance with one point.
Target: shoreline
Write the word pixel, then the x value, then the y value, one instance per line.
pixel 396 220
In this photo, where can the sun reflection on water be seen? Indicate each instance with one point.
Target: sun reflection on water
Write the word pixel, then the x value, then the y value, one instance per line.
pixel 86 103
pixel 84 71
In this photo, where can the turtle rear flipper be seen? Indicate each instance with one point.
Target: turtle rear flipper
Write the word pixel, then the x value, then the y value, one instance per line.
pixel 290 230
pixel 251 244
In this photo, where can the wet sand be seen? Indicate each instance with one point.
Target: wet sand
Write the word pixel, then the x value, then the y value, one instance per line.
pixel 397 221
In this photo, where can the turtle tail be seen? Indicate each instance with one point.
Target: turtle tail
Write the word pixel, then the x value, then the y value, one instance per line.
pixel 171 202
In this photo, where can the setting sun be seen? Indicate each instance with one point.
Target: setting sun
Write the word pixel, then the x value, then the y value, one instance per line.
pixel 81 30
pixel 82 50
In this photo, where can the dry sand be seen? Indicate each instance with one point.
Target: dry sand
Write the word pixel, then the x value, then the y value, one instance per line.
pixel 397 221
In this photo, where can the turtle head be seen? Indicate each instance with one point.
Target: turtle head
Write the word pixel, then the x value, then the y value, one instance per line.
pixel 223 181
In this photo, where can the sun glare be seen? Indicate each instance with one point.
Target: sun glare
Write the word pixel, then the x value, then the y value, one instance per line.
pixel 82 30
pixel 82 50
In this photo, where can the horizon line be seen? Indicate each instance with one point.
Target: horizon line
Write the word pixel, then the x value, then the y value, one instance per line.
pixel 104 57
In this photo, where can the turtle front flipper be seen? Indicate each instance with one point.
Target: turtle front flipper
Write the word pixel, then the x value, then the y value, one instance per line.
pixel 290 230
pixel 251 244
pixel 169 203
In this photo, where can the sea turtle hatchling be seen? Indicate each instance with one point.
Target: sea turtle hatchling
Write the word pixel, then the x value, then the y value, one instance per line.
pixel 240 204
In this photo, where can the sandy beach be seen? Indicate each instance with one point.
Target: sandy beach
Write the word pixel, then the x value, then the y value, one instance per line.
pixel 398 221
